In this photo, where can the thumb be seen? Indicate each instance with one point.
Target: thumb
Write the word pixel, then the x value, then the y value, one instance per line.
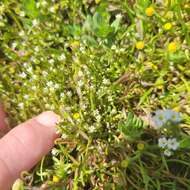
pixel 25 145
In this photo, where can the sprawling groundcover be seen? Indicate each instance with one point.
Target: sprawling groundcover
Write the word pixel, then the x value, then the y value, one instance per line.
pixel 117 72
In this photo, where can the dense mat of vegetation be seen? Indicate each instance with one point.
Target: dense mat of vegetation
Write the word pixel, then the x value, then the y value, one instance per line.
pixel 117 72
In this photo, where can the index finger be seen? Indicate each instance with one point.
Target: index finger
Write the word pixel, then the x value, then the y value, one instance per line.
pixel 25 145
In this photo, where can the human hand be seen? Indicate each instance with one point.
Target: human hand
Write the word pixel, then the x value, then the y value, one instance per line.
pixel 23 146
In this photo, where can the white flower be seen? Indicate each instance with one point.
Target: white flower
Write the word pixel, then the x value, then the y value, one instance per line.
pixel 172 144
pixel 83 106
pixel 92 129
pixel 69 93
pixel 113 111
pixel 22 14
pixel 62 95
pixel 14 44
pixel 105 81
pixel 33 88
pixel 49 84
pixel 25 65
pixel 54 152
pixel 80 83
pixel 21 33
pixel 38 4
pixel 44 73
pixel 52 89
pixel 52 9
pixel 36 49
pixel 44 3
pixel 56 86
pixel 80 73
pixel 98 118
pixel 122 50
pixel 62 57
pixel 26 96
pixel 167 152
pixel 96 112
pixel 35 22
pixel 82 49
pixel 23 75
pixel 118 16
pixel 29 69
pixel 110 98
pixel 21 105
pixel 51 61
pixel 64 136
pixel 162 142
pixel 34 77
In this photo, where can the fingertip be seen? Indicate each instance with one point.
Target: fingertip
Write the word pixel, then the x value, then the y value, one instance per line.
pixel 26 144
pixel 48 119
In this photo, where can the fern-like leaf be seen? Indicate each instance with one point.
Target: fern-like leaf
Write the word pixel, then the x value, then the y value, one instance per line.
pixel 132 128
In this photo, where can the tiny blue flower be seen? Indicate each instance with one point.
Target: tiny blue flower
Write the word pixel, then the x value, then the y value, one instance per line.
pixel 172 116
pixel 176 117
pixel 157 122
pixel 159 119
pixel 162 117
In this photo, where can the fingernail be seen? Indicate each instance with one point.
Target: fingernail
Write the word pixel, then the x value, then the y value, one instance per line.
pixel 48 118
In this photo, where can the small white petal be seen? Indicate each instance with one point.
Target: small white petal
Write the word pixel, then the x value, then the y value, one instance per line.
pixel 162 142
pixel 172 144
pixel 167 152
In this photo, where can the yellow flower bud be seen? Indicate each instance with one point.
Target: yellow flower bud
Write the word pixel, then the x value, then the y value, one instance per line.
pixel 55 179
pixel 140 45
pixel 151 65
pixel 97 1
pixel 160 87
pixel 140 146
pixel 177 109
pixel 167 26
pixel 75 44
pixel 187 6
pixel 12 70
pixel 172 47
pixel 76 115
pixel 125 163
pixel 149 11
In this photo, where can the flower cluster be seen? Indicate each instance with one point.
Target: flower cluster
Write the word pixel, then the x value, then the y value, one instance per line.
pixel 168 145
pixel 162 118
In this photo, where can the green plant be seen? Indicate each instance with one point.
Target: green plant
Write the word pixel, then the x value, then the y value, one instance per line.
pixel 132 128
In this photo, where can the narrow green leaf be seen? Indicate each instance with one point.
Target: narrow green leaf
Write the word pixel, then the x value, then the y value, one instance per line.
pixel 30 8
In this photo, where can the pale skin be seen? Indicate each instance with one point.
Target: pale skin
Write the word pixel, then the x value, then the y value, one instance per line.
pixel 23 146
